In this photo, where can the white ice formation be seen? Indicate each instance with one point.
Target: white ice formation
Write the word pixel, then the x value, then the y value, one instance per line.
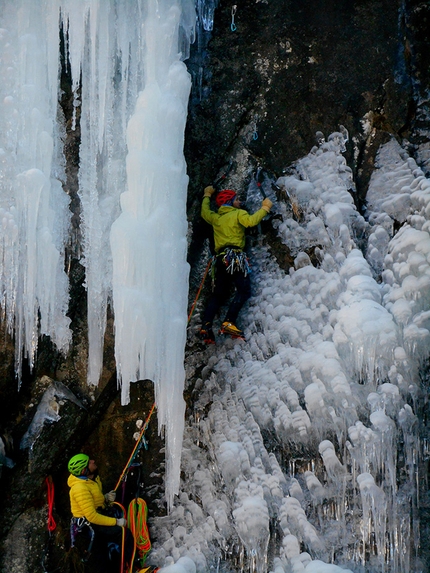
pixel 130 89
pixel 309 430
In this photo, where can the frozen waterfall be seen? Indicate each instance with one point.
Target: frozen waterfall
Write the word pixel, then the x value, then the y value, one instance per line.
pixel 131 89
pixel 304 453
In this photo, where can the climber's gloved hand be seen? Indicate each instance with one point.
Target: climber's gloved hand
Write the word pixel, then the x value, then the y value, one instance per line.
pixel 121 522
pixel 110 496
pixel 266 204
pixel 209 191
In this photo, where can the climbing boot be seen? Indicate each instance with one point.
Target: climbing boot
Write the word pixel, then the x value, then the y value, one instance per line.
pixel 231 329
pixel 207 334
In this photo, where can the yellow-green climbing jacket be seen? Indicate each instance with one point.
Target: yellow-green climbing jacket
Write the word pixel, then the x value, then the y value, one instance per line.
pixel 229 224
pixel 86 496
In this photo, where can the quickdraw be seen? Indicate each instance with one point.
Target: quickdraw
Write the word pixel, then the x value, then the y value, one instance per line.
pixel 235 260
pixel 233 26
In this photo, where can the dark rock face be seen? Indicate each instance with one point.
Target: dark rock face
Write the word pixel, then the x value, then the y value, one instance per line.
pixel 289 70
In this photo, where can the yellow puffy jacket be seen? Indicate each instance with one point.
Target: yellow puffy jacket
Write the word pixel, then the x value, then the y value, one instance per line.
pixel 86 495
pixel 229 224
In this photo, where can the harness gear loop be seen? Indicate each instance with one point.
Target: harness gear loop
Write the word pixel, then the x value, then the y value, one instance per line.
pixel 76 526
pixel 50 498
pixel 235 260
pixel 233 13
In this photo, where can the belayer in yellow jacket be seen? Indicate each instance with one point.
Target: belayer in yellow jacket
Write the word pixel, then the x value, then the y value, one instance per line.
pixel 85 497
pixel 231 264
pixel 89 507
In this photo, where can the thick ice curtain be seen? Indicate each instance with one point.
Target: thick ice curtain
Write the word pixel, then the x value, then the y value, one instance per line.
pixel 34 212
pixel 131 89
pixel 104 50
pixel 148 240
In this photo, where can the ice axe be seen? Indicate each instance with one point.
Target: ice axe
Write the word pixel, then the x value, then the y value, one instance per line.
pixel 282 194
pixel 223 176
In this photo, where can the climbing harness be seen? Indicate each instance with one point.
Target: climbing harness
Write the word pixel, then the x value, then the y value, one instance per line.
pixel 77 524
pixel 235 260
pixel 139 443
pixel 233 14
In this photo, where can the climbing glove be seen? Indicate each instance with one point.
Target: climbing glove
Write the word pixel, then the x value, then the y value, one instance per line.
pixel 110 496
pixel 121 522
pixel 266 204
pixel 209 191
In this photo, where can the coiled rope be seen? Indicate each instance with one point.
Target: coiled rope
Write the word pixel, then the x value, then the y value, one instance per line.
pixel 50 498
pixel 136 520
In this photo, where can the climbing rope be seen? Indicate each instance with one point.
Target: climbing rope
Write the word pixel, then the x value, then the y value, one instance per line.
pixel 136 520
pixel 50 498
pixel 200 289
pixel 129 568
pixel 139 442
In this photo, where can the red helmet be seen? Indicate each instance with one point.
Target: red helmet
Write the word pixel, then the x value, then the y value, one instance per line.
pixel 225 196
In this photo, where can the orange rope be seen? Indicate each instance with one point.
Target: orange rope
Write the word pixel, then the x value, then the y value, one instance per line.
pixel 200 289
pixel 130 565
pixel 50 497
pixel 136 520
pixel 133 453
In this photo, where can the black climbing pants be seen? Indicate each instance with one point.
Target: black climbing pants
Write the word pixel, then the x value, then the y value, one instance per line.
pixel 224 281
pixel 108 546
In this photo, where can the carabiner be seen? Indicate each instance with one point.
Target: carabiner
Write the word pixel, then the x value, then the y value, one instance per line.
pixel 233 13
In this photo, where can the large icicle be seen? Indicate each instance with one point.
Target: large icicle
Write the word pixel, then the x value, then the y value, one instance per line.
pixel 148 240
pixel 33 207
pixel 104 48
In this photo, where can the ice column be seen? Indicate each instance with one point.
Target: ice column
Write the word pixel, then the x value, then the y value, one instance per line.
pixel 148 240
pixel 33 207
pixel 104 42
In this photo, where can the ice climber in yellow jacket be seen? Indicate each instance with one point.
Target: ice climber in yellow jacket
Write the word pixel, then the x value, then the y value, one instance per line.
pixel 231 263
pixel 89 509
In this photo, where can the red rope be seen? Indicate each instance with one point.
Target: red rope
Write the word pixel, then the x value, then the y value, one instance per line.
pixel 50 497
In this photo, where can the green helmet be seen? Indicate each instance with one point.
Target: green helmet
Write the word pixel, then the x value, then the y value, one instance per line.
pixel 78 463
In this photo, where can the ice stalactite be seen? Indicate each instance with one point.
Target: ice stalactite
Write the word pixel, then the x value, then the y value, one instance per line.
pixel 130 91
pixel 105 53
pixel 148 239
pixel 33 207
